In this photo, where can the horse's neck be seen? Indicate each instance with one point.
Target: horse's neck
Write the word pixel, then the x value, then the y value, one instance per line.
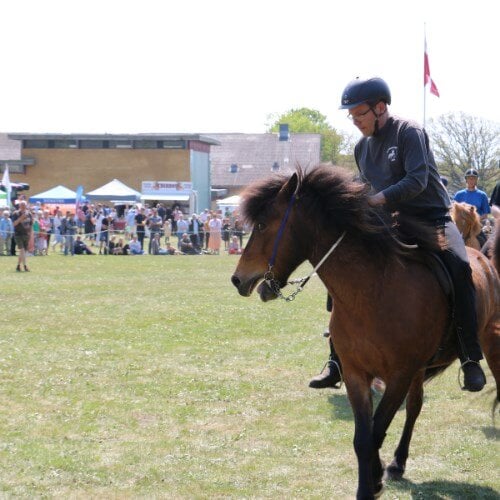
pixel 348 269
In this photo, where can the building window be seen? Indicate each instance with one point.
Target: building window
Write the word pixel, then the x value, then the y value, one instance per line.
pixel 174 145
pixel 64 144
pixel 233 168
pixel 146 144
pixel 91 144
pixel 35 144
pixel 284 134
pixel 275 167
pixel 120 144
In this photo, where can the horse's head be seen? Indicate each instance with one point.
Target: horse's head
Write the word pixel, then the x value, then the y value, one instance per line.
pixel 270 207
pixel 468 222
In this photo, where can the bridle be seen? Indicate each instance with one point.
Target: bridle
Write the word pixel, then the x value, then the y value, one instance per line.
pixel 272 283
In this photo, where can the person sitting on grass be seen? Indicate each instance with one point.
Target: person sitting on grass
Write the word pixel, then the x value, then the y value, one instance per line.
pixel 186 246
pixel 135 246
pixel 234 246
pixel 80 248
pixel 121 248
pixel 169 250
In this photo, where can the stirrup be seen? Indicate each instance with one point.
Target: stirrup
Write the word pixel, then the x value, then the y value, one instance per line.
pixel 338 384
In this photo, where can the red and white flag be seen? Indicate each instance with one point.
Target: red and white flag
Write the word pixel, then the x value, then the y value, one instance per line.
pixel 427 73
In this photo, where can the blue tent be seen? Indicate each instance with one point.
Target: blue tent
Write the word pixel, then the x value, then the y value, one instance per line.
pixel 58 195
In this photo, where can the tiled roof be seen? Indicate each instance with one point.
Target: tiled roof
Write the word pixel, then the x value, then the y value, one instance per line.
pixel 9 149
pixel 255 154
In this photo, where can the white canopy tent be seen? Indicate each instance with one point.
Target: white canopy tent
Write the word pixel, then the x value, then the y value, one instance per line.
pixel 229 204
pixel 114 191
pixel 59 195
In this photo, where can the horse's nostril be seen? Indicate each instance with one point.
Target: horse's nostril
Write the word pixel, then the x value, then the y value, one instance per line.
pixel 235 281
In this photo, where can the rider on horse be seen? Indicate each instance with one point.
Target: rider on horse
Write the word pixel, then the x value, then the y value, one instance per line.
pixel 394 157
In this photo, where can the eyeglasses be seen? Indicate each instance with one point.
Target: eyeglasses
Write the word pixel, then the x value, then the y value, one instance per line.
pixel 359 116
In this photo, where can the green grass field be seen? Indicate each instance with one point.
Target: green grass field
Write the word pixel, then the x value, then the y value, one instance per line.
pixel 150 377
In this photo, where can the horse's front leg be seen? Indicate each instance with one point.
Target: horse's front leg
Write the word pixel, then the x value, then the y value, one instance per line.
pixel 359 392
pixel 414 402
pixel 395 392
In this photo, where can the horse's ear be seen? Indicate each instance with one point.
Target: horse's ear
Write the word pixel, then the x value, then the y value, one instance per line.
pixel 291 186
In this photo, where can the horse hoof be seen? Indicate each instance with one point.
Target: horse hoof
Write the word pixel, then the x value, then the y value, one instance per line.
pixel 378 491
pixel 394 471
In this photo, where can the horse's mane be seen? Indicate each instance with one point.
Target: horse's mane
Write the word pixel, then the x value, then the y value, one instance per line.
pixel 334 199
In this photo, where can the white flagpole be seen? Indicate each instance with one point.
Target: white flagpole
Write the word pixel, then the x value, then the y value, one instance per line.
pixel 425 51
pixel 6 183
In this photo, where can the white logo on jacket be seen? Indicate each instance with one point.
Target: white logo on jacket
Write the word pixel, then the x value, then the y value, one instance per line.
pixel 392 153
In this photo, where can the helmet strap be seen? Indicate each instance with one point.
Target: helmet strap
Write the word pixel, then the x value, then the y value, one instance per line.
pixel 377 116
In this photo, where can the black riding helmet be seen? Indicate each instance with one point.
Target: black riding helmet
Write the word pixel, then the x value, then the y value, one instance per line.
pixel 370 91
pixel 471 173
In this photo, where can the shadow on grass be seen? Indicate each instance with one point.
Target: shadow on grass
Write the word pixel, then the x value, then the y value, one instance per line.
pixel 491 433
pixel 439 490
pixel 341 408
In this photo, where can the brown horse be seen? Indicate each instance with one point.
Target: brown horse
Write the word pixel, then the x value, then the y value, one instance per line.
pixel 391 317
pixel 468 223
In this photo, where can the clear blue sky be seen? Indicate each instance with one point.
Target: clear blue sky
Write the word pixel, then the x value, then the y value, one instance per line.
pixel 122 66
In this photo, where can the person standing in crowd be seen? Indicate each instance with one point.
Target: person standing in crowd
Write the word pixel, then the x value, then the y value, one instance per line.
pixel 70 227
pixel 154 223
pixel 130 222
pixel 140 222
pixel 472 195
pixel 162 211
pixel 47 225
pixel 226 232
pixel 196 232
pixel 239 231
pixel 215 225
pixel 167 230
pixel 89 225
pixel 495 200
pixel 22 221
pixel 6 233
pixel 394 157
pixel 57 228
pixel 182 227
pixel 104 235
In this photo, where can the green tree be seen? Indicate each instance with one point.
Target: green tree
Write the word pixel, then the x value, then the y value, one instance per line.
pixel 310 121
pixel 460 142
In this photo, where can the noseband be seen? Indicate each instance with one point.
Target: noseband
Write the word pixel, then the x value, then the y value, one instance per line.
pixel 272 283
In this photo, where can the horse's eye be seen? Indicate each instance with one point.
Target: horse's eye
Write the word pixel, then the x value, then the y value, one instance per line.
pixel 260 226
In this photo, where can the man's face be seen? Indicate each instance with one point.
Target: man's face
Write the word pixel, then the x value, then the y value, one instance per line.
pixel 471 182
pixel 363 117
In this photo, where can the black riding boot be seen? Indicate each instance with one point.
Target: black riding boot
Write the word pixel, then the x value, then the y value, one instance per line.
pixel 469 355
pixel 468 349
pixel 331 375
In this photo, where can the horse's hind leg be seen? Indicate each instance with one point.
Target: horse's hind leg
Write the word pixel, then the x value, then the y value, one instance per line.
pixel 414 402
pixel 490 344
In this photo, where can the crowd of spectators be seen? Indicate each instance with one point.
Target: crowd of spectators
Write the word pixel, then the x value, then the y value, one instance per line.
pixel 125 230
